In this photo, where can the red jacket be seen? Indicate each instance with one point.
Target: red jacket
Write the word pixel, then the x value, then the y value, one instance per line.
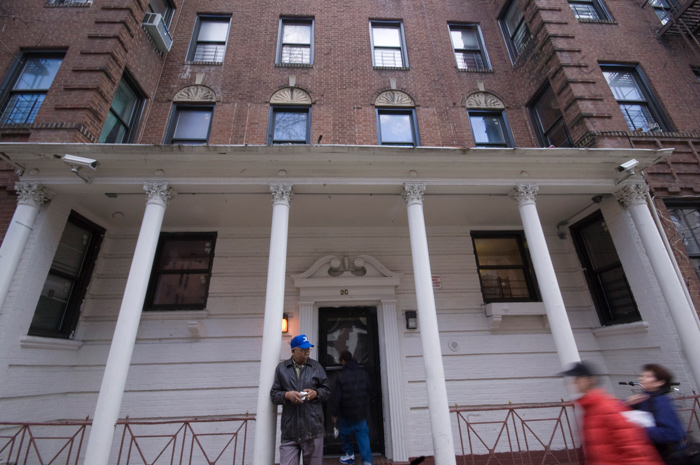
pixel 608 437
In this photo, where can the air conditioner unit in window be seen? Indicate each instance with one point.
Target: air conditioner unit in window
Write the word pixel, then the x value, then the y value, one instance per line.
pixel 155 27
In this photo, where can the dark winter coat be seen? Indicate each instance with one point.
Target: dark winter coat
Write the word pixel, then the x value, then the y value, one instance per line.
pixel 352 392
pixel 668 432
pixel 609 438
pixel 300 422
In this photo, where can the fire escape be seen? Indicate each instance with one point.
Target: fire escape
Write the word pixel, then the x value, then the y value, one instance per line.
pixel 680 18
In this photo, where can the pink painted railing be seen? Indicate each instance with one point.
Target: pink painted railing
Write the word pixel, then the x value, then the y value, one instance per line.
pixel 214 441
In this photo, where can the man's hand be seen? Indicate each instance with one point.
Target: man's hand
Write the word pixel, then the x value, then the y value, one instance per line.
pixel 311 394
pixel 295 397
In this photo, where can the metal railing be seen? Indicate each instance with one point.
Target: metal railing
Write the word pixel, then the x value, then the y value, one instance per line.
pixel 214 441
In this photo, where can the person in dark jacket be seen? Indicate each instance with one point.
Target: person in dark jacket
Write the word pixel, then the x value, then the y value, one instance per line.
pixel 667 434
pixel 352 393
pixel 301 386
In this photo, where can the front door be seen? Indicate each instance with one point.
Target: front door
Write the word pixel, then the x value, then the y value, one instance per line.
pixel 353 329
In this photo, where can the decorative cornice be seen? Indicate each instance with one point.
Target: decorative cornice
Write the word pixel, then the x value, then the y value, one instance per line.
pixel 634 194
pixel 197 93
pixel 290 96
pixel 158 193
pixel 485 101
pixel 524 194
pixel 413 193
pixel 281 194
pixel 394 98
pixel 34 195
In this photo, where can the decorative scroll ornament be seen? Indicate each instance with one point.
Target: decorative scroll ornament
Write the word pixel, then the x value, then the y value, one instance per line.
pixel 394 98
pixel 634 194
pixel 413 193
pixel 484 100
pixel 524 194
pixel 34 195
pixel 290 96
pixel 196 93
pixel 158 193
pixel 281 194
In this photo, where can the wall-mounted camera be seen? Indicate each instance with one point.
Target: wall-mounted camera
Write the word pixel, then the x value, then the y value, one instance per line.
pixel 76 161
pixel 628 166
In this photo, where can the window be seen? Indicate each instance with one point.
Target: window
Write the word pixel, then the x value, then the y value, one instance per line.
pixel 696 71
pixel 397 127
pixel 123 114
pixel 58 310
pixel 295 44
pixel 289 126
pixel 181 272
pixel 606 279
pixel 28 88
pixel 663 9
pixel 503 264
pixel 468 46
pixel 70 2
pixel 636 103
pixel 686 219
pixel 190 125
pixel 549 120
pixel 590 10
pixel 513 24
pixel 489 129
pixel 209 39
pixel 162 7
pixel 388 45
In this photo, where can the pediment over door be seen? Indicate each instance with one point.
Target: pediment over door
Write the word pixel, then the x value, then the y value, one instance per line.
pixel 345 278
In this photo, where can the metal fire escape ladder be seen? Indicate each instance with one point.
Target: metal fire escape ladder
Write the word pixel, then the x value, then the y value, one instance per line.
pixel 684 21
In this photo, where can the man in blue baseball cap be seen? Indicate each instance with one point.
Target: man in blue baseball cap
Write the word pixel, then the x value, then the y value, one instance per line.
pixel 301 386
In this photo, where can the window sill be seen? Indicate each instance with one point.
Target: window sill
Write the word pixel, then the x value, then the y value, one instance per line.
pixel 391 68
pixel 624 328
pixel 174 314
pixel 598 21
pixel 475 70
pixel 205 63
pixel 38 342
pixel 294 65
pixel 497 310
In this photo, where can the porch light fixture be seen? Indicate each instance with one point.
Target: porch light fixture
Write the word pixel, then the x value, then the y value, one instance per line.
pixel 285 323
pixel 411 319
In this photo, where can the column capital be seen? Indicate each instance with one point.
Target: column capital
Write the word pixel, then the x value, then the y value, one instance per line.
pixel 34 195
pixel 413 193
pixel 634 194
pixel 281 194
pixel 524 194
pixel 158 193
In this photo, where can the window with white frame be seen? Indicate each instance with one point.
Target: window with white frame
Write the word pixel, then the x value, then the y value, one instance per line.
pixel 388 44
pixel 30 82
pixel 468 46
pixel 295 44
pixel 209 39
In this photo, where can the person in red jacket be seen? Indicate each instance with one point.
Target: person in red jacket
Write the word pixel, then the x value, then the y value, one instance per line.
pixel 608 437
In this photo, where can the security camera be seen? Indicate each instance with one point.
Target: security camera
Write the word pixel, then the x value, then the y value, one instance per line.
pixel 628 166
pixel 76 161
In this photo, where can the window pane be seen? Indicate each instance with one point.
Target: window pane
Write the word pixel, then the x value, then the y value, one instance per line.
pixel 498 251
pixel 209 52
pixel 557 135
pixel 470 60
pixel 637 116
pixel 296 54
pixel 396 128
pixel 548 109
pixel 181 289
pixel 50 310
pixel 185 255
pixel 687 222
pixel 617 294
pixel 599 245
pixel 124 101
pixel 488 130
pixel 38 73
pixel 389 58
pixel 71 250
pixel 192 124
pixel 297 34
pixel 113 132
pixel 386 36
pixel 213 31
pixel 584 11
pixel 504 284
pixel 624 86
pixel 465 38
pixel 290 126
pixel 520 38
pixel 513 18
pixel 22 108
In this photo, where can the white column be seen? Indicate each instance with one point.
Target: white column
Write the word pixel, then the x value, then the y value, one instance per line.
pixel 266 415
pixel 633 197
pixel 114 380
pixel 31 197
pixel 306 325
pixel 563 336
pixel 439 410
pixel 394 381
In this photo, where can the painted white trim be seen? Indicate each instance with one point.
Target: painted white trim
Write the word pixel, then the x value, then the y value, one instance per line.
pixel 627 328
pixel 35 342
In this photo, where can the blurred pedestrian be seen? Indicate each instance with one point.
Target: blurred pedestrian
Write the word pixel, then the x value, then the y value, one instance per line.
pixel 609 438
pixel 352 394
pixel 301 386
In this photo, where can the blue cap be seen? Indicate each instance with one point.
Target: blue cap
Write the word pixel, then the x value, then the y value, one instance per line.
pixel 301 341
